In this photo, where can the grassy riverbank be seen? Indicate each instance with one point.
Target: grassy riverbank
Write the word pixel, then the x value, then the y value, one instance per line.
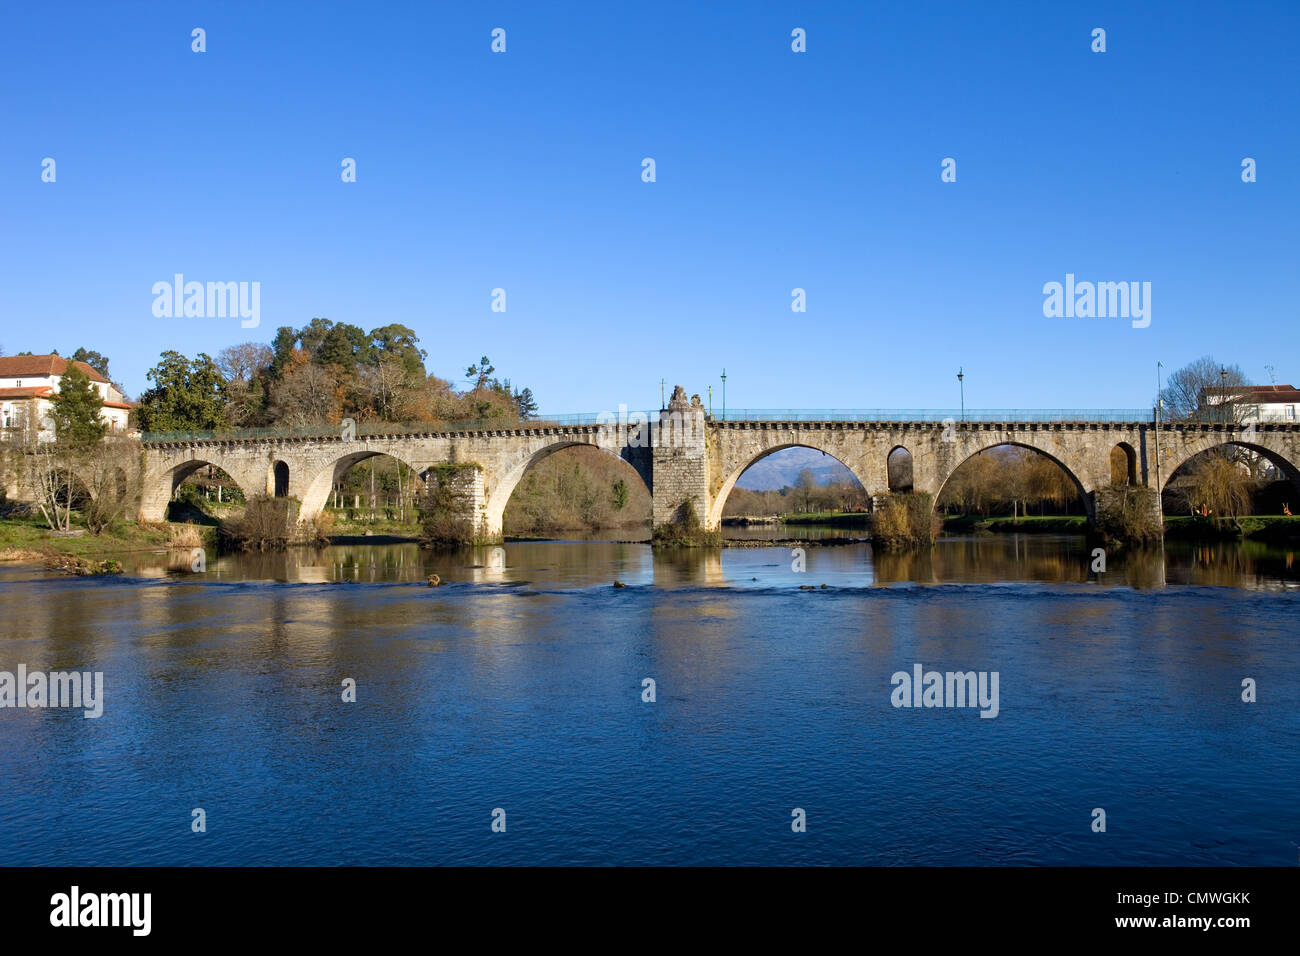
pixel 29 538
pixel 1030 524
pixel 1254 527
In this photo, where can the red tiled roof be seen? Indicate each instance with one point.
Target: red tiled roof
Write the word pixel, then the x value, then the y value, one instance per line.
pixel 41 366
pixel 34 391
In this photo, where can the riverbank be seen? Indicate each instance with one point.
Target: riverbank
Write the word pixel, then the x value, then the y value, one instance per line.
pixel 30 539
pixel 1272 528
pixel 1030 524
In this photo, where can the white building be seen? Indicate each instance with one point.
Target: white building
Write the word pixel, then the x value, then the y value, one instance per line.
pixel 1254 403
pixel 28 381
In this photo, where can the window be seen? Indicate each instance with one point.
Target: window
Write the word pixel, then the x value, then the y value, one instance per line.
pixel 1290 413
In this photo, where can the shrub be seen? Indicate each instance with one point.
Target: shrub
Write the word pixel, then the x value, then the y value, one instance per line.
pixel 685 530
pixel 905 520
pixel 265 524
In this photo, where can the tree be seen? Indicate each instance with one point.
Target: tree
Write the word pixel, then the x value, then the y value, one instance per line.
pixel 1219 487
pixel 1185 397
pixel 78 428
pixel 806 484
pixel 480 373
pixel 246 369
pixel 402 342
pixel 187 395
pixel 111 469
pixel 525 404
pixel 75 411
pixel 95 360
pixel 620 494
pixel 307 394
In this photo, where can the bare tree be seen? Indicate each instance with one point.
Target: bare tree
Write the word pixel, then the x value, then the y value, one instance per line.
pixel 1188 392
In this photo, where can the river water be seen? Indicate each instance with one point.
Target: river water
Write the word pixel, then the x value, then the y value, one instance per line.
pixel 518 685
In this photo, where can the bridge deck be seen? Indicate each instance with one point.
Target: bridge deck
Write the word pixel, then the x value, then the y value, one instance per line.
pixel 730 416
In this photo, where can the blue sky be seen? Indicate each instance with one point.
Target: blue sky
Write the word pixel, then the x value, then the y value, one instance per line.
pixel 775 170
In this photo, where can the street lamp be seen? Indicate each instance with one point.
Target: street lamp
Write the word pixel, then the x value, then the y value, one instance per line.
pixel 962 385
pixel 1223 391
pixel 724 394
pixel 710 401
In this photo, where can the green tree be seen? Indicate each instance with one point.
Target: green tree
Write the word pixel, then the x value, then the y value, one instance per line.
pixel 75 410
pixel 620 494
pixel 525 404
pixel 401 342
pixel 187 395
pixel 96 360
pixel 480 373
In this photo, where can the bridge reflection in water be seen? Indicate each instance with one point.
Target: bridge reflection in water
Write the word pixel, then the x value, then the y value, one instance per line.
pixel 562 565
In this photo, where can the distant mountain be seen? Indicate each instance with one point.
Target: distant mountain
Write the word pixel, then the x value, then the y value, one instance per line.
pixel 782 468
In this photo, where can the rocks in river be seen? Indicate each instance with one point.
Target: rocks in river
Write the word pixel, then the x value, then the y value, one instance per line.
pixel 619 584
pixel 434 580
pixel 72 564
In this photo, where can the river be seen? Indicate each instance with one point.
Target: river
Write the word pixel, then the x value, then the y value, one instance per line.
pixel 517 685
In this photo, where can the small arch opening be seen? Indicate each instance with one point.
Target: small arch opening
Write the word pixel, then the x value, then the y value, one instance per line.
pixel 898 466
pixel 281 479
pixel 1123 465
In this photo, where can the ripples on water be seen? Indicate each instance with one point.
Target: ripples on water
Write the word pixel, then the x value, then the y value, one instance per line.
pixel 520 687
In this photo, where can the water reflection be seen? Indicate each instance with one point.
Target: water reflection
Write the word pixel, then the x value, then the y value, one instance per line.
pixel 848 562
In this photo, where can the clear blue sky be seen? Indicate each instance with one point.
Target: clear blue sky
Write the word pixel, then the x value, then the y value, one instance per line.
pixel 775 170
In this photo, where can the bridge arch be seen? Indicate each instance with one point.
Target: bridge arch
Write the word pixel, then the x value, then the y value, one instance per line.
pixel 160 484
pixel 317 491
pixel 498 487
pixel 1173 463
pixel 719 502
pixel 1080 489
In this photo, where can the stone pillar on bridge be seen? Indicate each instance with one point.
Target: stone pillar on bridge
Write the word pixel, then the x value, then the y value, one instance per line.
pixel 680 468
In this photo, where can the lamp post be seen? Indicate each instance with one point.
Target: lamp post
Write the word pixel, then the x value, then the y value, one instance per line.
pixel 1159 404
pixel 710 401
pixel 1223 392
pixel 962 385
pixel 662 401
pixel 724 394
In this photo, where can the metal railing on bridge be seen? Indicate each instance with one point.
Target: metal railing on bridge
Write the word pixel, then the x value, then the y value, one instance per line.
pixel 1118 415
pixel 375 429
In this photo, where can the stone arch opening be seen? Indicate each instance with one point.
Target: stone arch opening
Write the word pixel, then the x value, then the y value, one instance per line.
pixel 280 479
pixel 211 485
pixel 389 488
pixel 855 495
pixel 499 488
pixel 1123 465
pixel 1010 478
pixel 579 489
pixel 1231 478
pixel 898 468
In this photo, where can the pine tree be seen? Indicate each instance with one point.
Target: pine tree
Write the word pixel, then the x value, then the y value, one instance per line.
pixel 75 410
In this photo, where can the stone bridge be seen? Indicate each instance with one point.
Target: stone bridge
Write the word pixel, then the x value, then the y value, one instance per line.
pixel 687 456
